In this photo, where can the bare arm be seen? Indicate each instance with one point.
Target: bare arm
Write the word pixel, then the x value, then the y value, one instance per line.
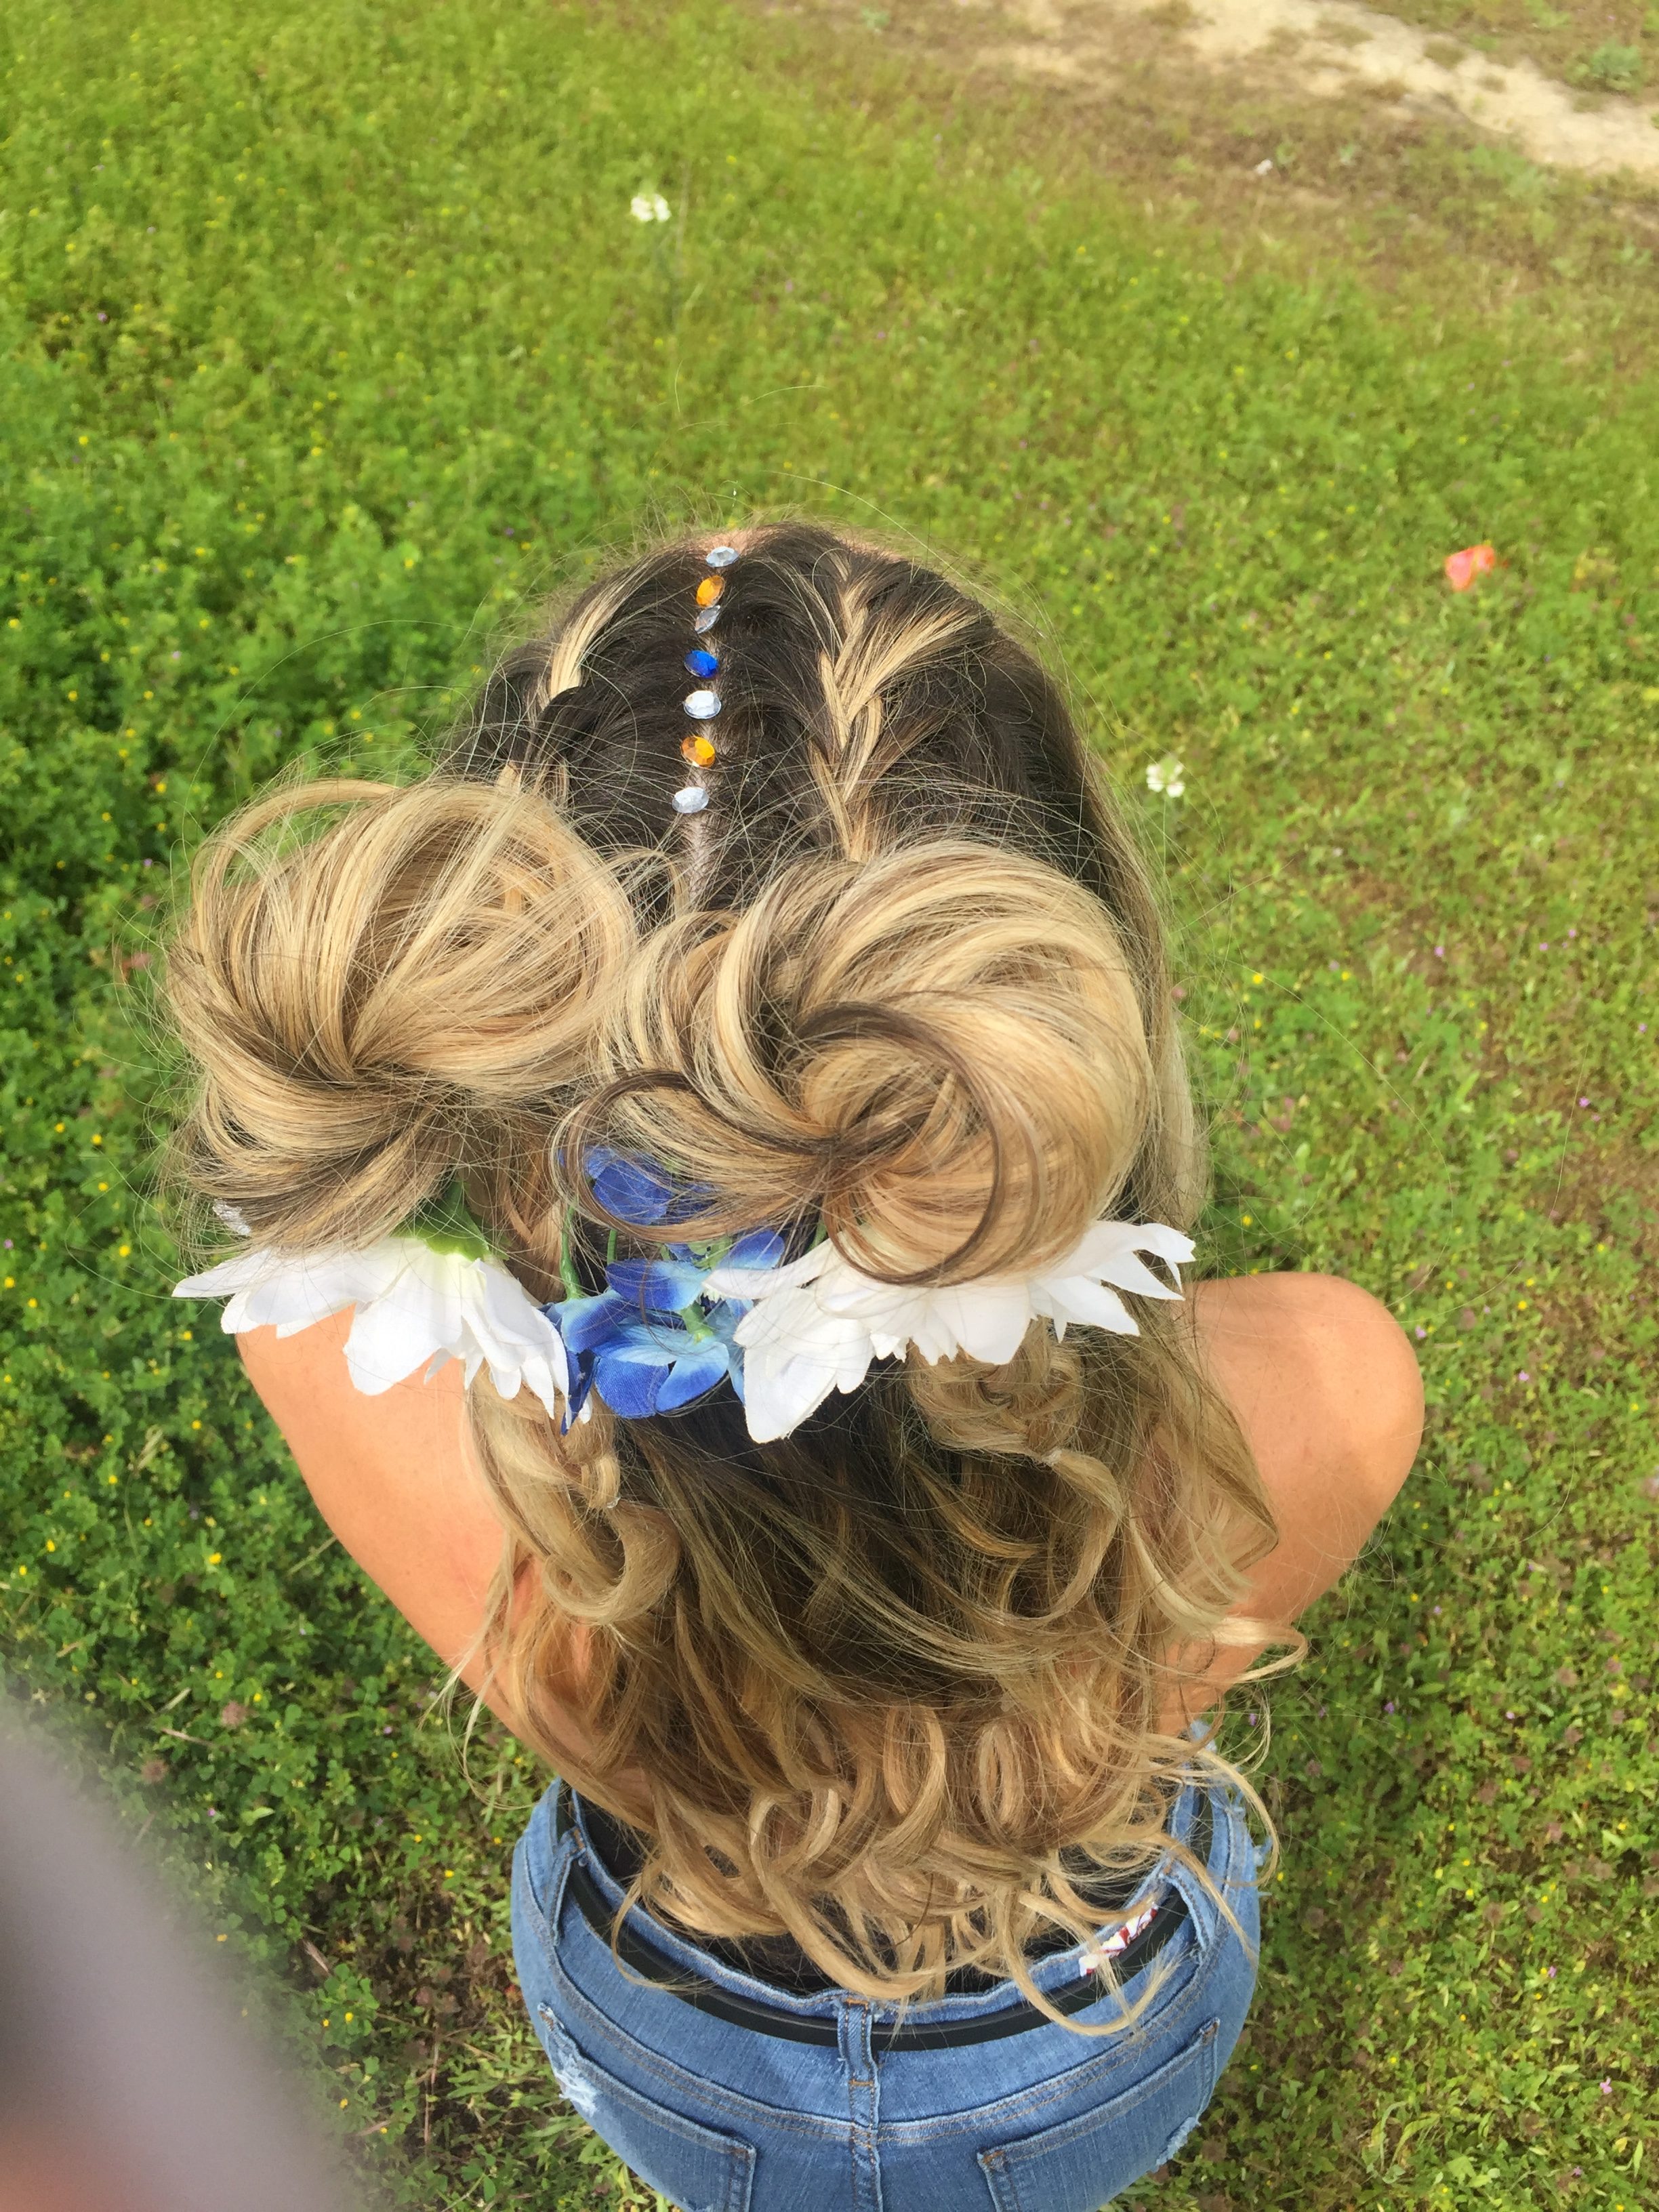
pixel 393 1476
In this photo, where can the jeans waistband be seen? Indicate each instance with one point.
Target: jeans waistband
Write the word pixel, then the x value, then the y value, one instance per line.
pixel 744 2010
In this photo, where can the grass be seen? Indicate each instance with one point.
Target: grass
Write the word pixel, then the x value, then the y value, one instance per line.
pixel 329 343
pixel 1609 45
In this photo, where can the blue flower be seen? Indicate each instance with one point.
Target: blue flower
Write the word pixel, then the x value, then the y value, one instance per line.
pixel 657 1367
pixel 636 1189
pixel 653 1340
pixel 583 1322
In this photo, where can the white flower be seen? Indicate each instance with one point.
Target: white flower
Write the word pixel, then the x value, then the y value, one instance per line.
pixel 1168 776
pixel 816 1324
pixel 649 207
pixel 415 1308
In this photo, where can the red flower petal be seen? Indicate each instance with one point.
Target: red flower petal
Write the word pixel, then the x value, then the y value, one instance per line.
pixel 1462 567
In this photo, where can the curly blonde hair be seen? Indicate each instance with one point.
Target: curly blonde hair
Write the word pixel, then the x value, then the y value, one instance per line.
pixel 894 1685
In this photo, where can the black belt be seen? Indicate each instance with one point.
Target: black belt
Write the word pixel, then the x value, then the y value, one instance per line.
pixel 710 1996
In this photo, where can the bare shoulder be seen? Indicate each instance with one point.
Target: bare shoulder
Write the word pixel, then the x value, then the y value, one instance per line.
pixel 1327 1389
pixel 308 1392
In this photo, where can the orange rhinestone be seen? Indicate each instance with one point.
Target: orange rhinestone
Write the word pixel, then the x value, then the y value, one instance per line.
pixel 709 590
pixel 698 750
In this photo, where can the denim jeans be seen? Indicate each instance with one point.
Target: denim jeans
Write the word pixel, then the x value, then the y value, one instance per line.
pixel 725 2118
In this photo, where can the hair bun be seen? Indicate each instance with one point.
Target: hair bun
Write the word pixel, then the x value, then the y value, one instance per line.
pixel 939 1051
pixel 366 1005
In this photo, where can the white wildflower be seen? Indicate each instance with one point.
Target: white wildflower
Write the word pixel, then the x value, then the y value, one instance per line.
pixel 1168 776
pixel 650 207
pixel 816 1324
pixel 415 1310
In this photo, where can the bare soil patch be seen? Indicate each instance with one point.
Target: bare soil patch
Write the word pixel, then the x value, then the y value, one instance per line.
pixel 1333 49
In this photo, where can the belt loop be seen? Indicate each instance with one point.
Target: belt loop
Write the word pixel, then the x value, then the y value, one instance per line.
pixel 863 2103
pixel 565 1848
pixel 1199 1841
pixel 567 1818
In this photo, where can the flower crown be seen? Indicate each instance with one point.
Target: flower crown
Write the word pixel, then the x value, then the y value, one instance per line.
pixel 665 1332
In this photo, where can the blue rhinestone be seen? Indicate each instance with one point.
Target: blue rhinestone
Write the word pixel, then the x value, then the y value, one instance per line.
pixel 705 620
pixel 701 706
pixel 700 661
pixel 722 556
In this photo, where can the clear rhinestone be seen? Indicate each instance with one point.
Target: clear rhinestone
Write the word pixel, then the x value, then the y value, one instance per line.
pixel 722 556
pixel 705 619
pixel 702 705
pixel 691 800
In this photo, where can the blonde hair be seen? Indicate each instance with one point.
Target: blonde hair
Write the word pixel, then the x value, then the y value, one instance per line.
pixel 892 1687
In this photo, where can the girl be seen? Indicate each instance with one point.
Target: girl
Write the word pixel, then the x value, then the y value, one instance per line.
pixel 749 1060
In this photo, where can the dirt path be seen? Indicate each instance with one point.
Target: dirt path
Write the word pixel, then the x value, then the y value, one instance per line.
pixel 1335 48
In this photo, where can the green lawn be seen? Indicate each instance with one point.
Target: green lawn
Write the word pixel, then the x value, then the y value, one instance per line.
pixel 329 343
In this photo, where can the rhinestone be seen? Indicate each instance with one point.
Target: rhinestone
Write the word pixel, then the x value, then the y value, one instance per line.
pixel 698 749
pixel 706 621
pixel 700 661
pixel 709 590
pixel 721 557
pixel 701 706
pixel 691 800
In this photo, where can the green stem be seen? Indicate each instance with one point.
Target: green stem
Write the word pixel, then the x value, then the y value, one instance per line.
pixel 573 1289
pixel 696 1326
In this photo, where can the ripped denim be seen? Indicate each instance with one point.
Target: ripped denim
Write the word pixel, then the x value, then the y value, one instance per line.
pixel 725 2118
